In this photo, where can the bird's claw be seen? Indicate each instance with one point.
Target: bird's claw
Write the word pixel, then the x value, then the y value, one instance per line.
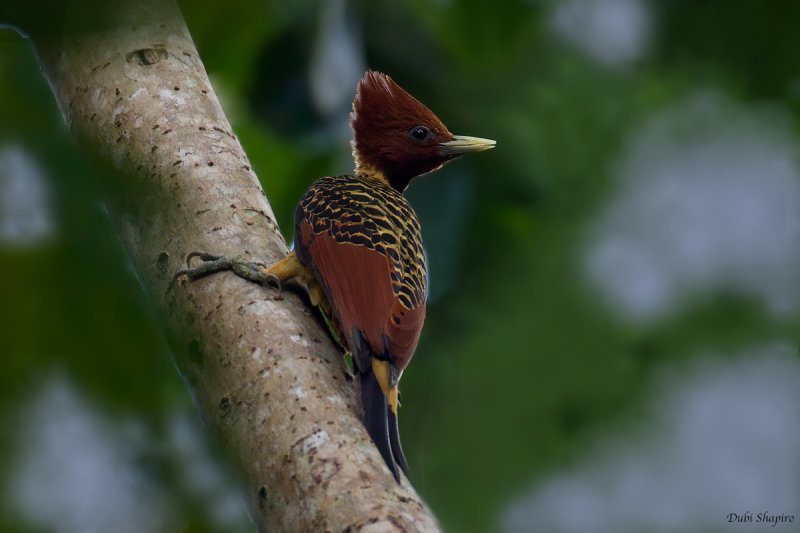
pixel 276 281
pixel 212 264
pixel 202 255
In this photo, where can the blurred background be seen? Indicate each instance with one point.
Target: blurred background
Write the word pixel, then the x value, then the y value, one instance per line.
pixel 611 342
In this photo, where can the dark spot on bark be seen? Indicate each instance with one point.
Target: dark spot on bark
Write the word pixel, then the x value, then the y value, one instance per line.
pixel 166 131
pixel 396 523
pixel 116 91
pixel 153 148
pixel 176 88
pixel 155 127
pixel 163 262
pixel 211 163
pixel 203 91
pixel 224 406
pixel 262 497
pixel 202 128
pixel 94 115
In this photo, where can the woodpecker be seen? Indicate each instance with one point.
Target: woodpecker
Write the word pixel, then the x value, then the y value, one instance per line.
pixel 358 246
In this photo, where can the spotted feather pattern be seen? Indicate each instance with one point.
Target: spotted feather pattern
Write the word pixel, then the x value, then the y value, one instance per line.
pixel 366 211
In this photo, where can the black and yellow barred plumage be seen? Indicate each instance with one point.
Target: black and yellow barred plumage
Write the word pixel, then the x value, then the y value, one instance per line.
pixel 365 211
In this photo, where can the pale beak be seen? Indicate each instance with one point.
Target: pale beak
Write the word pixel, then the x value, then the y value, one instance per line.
pixel 461 144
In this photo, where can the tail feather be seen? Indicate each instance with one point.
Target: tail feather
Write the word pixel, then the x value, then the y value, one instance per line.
pixel 376 420
pixel 394 438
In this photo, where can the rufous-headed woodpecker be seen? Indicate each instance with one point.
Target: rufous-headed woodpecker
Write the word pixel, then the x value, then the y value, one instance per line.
pixel 358 246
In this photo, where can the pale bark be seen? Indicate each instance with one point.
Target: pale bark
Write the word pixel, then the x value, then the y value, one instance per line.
pixel 265 375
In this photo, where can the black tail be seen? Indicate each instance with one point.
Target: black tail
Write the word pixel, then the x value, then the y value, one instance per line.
pixel 377 419
pixel 394 438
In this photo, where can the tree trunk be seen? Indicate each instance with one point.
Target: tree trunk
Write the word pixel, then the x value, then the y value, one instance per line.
pixel 265 375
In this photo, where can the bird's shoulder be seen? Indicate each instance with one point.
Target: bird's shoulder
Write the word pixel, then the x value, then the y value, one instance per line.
pixel 349 204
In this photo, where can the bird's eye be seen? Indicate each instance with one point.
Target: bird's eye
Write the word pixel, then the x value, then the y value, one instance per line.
pixel 420 134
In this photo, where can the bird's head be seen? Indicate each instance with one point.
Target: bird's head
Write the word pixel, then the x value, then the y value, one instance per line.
pixel 396 137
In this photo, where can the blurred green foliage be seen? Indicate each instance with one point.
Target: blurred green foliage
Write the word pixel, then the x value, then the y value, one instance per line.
pixel 519 362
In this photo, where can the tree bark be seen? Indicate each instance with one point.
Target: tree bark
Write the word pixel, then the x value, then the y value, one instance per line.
pixel 264 373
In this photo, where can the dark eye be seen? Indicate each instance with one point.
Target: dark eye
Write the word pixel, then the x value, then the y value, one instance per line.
pixel 420 134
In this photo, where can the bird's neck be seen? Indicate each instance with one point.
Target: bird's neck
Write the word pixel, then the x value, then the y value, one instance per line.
pixel 365 169
pixel 372 172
